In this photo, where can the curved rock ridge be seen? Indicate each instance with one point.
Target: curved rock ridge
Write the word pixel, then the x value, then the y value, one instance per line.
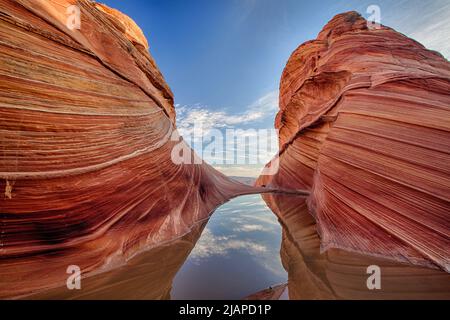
pixel 86 128
pixel 147 276
pixel 342 274
pixel 364 125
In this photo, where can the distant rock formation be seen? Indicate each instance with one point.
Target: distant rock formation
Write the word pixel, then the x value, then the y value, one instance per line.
pixel 272 293
pixel 364 125
pixel 86 121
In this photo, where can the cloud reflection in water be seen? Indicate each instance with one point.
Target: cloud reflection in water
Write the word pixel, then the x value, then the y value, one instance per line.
pixel 238 253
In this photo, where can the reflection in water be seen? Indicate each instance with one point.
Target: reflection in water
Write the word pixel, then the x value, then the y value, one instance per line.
pixel 237 254
pixel 146 276
pixel 339 274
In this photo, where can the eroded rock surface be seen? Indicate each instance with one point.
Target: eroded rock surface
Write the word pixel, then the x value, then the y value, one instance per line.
pixel 86 127
pixel 343 274
pixel 364 125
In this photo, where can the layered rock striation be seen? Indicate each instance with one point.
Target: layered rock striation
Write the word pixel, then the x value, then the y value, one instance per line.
pixel 87 130
pixel 343 274
pixel 364 126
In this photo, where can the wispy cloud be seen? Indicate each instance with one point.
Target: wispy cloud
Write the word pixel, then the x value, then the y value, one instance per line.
pixel 424 21
pixel 214 245
pixel 240 171
pixel 242 227
pixel 433 28
pixel 203 127
pixel 190 116
pixel 251 228
pixel 246 8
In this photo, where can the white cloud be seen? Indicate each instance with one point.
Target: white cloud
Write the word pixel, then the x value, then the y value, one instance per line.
pixel 213 245
pixel 253 148
pixel 245 226
pixel 433 29
pixel 240 171
pixel 266 105
pixel 208 118
pixel 425 21
pixel 268 220
pixel 251 228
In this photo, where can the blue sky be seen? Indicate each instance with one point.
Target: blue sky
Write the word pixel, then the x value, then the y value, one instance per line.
pixel 223 58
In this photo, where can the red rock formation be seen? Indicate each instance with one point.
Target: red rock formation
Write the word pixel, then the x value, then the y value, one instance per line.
pixel 364 125
pixel 335 274
pixel 342 274
pixel 272 293
pixel 146 276
pixel 86 121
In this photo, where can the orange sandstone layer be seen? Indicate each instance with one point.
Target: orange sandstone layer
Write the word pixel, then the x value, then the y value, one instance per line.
pixel 146 276
pixel 364 125
pixel 86 121
pixel 342 274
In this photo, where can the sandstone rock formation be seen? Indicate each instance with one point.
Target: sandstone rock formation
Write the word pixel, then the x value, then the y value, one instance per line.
pixel 342 274
pixel 364 125
pixel 146 276
pixel 86 121
pixel 86 135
